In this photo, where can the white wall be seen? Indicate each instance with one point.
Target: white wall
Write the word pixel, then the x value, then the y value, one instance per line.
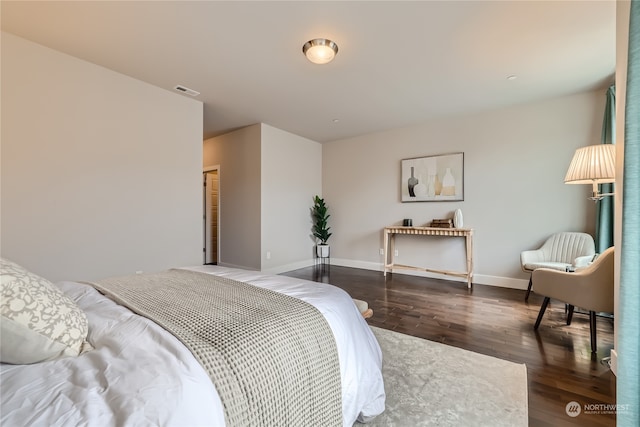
pixel 515 161
pixel 268 178
pixel 291 176
pixel 238 155
pixel 100 172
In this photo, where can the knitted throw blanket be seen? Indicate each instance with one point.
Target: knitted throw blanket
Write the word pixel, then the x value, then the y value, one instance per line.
pixel 271 357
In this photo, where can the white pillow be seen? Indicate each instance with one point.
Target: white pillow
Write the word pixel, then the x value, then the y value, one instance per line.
pixel 38 322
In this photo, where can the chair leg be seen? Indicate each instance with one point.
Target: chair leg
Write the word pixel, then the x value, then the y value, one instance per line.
pixel 526 297
pixel 592 327
pixel 569 314
pixel 543 307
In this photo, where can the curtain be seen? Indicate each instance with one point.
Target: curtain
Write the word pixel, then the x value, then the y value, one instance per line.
pixel 628 385
pixel 605 207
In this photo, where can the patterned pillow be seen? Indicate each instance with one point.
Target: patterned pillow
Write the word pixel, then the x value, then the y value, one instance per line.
pixel 38 322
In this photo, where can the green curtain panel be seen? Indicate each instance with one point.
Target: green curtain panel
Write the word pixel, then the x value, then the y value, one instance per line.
pixel 605 207
pixel 628 385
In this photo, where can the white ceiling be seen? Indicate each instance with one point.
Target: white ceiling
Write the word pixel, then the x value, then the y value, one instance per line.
pixel 399 63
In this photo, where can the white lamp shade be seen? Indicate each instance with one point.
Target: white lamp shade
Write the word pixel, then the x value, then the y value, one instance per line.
pixel 594 164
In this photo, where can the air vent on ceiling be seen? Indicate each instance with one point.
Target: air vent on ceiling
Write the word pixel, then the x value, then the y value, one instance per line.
pixel 186 90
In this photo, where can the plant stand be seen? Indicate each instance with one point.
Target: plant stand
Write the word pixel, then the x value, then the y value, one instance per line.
pixel 322 269
pixel 323 254
pixel 323 260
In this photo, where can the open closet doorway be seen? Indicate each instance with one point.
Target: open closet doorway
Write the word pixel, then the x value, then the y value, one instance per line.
pixel 211 214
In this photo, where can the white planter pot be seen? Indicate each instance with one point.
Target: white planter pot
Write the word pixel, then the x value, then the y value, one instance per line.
pixel 322 251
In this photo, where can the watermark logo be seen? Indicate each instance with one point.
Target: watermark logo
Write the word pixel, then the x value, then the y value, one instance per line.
pixel 604 408
pixel 573 409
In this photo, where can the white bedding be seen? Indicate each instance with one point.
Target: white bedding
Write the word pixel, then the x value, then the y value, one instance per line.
pixel 139 374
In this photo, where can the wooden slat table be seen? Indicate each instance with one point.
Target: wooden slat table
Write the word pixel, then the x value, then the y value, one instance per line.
pixel 389 243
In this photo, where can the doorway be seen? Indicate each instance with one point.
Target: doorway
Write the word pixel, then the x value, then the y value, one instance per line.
pixel 211 214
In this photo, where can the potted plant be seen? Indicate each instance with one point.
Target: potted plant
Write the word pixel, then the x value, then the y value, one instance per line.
pixel 320 227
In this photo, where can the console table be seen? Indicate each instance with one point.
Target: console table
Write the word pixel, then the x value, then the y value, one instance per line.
pixel 389 242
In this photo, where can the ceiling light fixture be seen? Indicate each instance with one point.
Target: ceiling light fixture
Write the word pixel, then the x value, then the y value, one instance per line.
pixel 320 51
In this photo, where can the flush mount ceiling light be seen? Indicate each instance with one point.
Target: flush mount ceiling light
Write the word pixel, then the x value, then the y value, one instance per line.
pixel 320 51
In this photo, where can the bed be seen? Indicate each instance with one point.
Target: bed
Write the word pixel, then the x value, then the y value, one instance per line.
pixel 137 373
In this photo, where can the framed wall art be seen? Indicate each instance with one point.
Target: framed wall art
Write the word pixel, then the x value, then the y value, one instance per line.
pixel 438 178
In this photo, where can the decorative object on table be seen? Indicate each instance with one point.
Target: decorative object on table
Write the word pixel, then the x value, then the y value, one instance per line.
pixel 442 223
pixel 457 219
pixel 594 164
pixel 407 222
pixel 436 178
pixel 320 227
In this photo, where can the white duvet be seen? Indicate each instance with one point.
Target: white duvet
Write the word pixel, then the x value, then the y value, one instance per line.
pixel 141 375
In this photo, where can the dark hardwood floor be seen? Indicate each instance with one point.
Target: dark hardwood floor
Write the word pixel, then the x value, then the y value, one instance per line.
pixel 496 322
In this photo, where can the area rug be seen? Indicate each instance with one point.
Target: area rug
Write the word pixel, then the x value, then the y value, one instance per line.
pixel 432 384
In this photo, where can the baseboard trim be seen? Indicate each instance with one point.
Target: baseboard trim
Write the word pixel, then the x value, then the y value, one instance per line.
pixel 229 265
pixel 478 279
pixel 289 267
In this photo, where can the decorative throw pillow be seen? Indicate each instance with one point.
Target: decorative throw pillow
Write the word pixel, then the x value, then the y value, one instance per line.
pixel 38 322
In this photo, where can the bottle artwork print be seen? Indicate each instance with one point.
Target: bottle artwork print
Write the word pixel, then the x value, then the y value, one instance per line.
pixel 412 182
pixel 437 186
pixel 448 184
pixel 420 189
pixel 431 186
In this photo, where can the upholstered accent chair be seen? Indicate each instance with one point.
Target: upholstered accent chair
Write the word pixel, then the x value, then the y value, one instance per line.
pixel 590 288
pixel 560 251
